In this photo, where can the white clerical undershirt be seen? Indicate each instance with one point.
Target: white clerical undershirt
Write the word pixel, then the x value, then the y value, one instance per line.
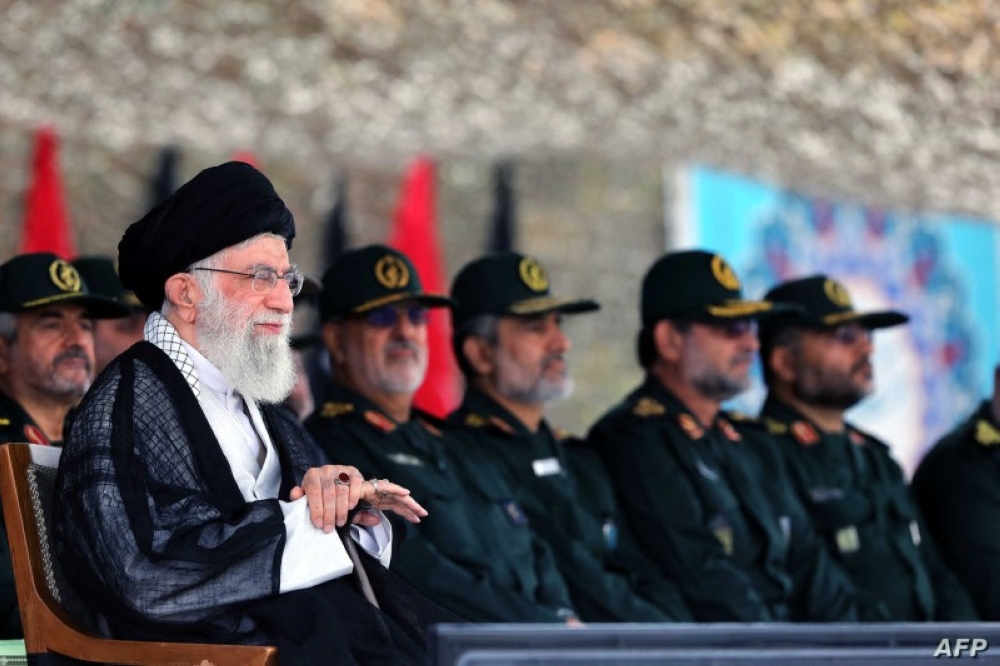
pixel 310 556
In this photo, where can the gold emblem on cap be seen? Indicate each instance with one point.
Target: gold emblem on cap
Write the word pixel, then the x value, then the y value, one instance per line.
pixel 391 272
pixel 837 293
pixel 533 274
pixel 723 272
pixel 65 276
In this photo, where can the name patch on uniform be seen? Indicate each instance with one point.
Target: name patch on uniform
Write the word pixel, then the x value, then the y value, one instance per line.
pixel 848 540
pixel 405 459
pixel 825 494
pixel 725 537
pixel 785 523
pixel 707 472
pixel 514 512
pixel 546 466
pixel 915 533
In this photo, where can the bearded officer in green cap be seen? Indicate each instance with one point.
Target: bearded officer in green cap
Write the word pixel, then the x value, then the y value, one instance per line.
pixel 115 335
pixel 710 504
pixel 474 554
pixel 957 486
pixel 46 365
pixel 511 347
pixel 817 364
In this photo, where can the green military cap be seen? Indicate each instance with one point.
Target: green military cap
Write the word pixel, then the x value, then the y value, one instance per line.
pixel 508 283
pixel 41 278
pixel 824 303
pixel 101 276
pixel 370 277
pixel 696 285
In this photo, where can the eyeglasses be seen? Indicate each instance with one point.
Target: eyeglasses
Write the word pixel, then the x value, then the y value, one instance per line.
pixel 388 315
pixel 735 328
pixel 265 278
pixel 851 334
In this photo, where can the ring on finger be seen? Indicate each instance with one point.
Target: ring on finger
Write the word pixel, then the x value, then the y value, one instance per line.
pixel 342 479
pixel 374 483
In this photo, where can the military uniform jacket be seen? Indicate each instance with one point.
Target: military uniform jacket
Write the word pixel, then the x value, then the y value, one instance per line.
pixel 859 503
pixel 957 487
pixel 567 498
pixel 714 508
pixel 16 426
pixel 474 553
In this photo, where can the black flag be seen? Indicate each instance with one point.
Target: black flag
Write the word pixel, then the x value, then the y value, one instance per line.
pixel 164 181
pixel 504 225
pixel 335 234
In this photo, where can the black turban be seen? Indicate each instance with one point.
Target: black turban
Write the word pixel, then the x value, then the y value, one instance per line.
pixel 220 207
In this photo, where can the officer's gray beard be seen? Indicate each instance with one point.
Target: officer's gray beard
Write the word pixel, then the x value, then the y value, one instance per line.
pixel 520 384
pixel 395 377
pixel 713 384
pixel 259 366
pixel 823 388
pixel 56 385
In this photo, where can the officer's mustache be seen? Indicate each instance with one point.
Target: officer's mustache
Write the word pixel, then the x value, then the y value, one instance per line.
pixel 402 345
pixel 551 359
pixel 76 353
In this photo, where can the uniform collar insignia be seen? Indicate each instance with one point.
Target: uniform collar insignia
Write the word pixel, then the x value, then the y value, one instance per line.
pixel 775 427
pixel 804 433
pixel 430 427
pixel 383 423
pixel 987 434
pixel 856 437
pixel 729 431
pixel 334 409
pixel 34 435
pixel 649 407
pixel 689 425
pixel 475 420
pixel 501 425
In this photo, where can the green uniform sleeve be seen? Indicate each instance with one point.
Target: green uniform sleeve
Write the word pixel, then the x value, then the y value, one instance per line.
pixel 666 517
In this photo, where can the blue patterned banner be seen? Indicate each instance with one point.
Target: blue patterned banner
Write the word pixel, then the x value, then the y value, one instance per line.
pixel 939 269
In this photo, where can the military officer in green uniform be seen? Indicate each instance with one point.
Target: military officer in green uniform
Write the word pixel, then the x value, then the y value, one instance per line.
pixel 474 553
pixel 711 504
pixel 46 365
pixel 817 364
pixel 957 486
pixel 111 336
pixel 511 348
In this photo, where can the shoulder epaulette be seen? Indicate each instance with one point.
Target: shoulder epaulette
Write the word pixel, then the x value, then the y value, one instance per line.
pixel 740 417
pixel 4 422
pixel 987 434
pixel 475 420
pixel 333 409
pixel 380 421
pixel 649 407
pixel 562 435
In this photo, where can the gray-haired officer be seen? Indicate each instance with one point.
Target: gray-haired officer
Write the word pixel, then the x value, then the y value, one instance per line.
pixel 512 349
pixel 710 504
pixel 817 364
pixel 475 553
pixel 46 365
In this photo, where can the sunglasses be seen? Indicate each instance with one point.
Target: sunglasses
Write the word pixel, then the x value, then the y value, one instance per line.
pixel 736 328
pixel 388 316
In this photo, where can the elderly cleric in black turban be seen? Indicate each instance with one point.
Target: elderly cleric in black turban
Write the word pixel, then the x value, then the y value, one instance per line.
pixel 220 207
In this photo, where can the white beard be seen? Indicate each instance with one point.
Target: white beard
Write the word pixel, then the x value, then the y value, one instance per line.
pixel 260 367
pixel 527 385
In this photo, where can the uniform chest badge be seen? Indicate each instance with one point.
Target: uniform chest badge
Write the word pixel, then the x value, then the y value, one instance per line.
pixel 804 433
pixel 405 459
pixel 380 421
pixel 729 431
pixel 546 466
pixel 987 433
pixel 34 435
pixel 690 426
pixel 514 512
pixel 915 533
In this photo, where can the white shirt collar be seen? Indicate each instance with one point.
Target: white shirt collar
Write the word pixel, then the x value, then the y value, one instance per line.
pixel 162 333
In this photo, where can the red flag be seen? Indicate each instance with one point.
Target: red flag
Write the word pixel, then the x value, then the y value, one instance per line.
pixel 46 225
pixel 415 234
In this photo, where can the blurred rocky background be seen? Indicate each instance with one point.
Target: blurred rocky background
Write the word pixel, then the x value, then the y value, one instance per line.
pixel 886 102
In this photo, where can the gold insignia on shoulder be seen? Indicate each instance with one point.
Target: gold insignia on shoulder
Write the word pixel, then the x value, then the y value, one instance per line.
pixel 725 537
pixel 475 420
pixel 4 422
pixel 804 433
pixel 333 409
pixel 739 416
pixel 689 425
pixel 775 427
pixel 837 293
pixel 848 540
pixel 648 407
pixel 64 276
pixel 533 274
pixel 724 273
pixel 500 424
pixel 561 434
pixel 729 431
pixel 391 272
pixel 987 433
pixel 381 422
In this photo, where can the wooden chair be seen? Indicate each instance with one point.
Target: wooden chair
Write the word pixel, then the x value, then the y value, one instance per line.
pixel 27 482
